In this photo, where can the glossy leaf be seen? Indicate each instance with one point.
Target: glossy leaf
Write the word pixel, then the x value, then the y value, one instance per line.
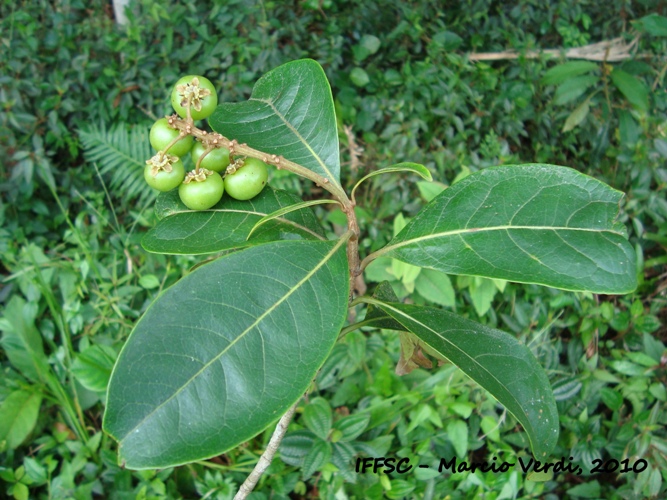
pixel 290 113
pixel 227 225
pixel 223 353
pixel 494 359
pixel 634 90
pixel 530 224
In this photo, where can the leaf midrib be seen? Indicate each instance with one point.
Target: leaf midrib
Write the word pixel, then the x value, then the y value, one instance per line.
pixel 298 135
pixel 473 360
pixel 473 230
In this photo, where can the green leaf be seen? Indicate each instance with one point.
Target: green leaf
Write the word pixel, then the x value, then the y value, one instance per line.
pixel 653 24
pixel 562 72
pixel 92 368
pixel 530 224
pixel 634 90
pixel 21 341
pixel 436 287
pixel 494 359
pixel 429 190
pixel 457 433
pixel 121 153
pixel 286 210
pixel 228 224
pixel 573 88
pixel 577 116
pixel 352 426
pixel 368 45
pixel 18 416
pixel 291 114
pixel 317 417
pixel 482 292
pixel 222 354
pixel 359 77
pixel 415 168
pixel 318 456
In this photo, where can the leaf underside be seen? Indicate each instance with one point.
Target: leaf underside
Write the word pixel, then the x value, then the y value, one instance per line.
pixel 495 360
pixel 226 351
pixel 531 224
pixel 227 225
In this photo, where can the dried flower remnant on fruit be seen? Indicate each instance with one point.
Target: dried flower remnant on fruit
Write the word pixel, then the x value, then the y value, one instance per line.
pixel 192 93
pixel 194 176
pixel 233 167
pixel 161 162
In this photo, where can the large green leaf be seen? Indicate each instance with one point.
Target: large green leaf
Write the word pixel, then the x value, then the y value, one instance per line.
pixel 290 113
pixel 529 223
pixel 227 225
pixel 494 359
pixel 226 351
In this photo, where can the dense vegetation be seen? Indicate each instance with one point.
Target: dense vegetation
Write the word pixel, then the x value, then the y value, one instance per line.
pixel 79 94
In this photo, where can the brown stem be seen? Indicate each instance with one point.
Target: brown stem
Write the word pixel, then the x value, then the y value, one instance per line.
pixel 218 140
pixel 266 458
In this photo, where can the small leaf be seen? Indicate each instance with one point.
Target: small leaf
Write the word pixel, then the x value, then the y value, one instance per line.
pixel 634 90
pixel 436 287
pixel 482 292
pixel 526 223
pixel 457 433
pixel 92 368
pixel 653 24
pixel 562 72
pixel 222 354
pixel 21 340
pixel 352 426
pixel 359 77
pixel 317 457
pixel 494 359
pixel 429 190
pixel 317 417
pixel 577 116
pixel 18 416
pixel 573 88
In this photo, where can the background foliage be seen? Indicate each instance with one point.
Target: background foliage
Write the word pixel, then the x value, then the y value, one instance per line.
pixel 78 94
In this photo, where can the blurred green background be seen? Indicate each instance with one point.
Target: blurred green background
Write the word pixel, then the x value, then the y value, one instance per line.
pixel 78 94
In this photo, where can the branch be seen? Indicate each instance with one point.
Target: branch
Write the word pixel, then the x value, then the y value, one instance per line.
pixel 612 50
pixel 266 458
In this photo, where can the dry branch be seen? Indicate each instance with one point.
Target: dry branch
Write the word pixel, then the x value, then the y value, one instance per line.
pixel 613 50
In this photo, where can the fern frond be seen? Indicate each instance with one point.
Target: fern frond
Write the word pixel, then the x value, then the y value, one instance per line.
pixel 121 153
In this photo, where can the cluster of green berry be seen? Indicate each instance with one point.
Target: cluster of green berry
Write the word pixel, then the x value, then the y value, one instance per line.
pixel 194 98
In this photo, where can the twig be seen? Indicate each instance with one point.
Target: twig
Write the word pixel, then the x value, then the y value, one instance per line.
pixel 612 50
pixel 266 458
